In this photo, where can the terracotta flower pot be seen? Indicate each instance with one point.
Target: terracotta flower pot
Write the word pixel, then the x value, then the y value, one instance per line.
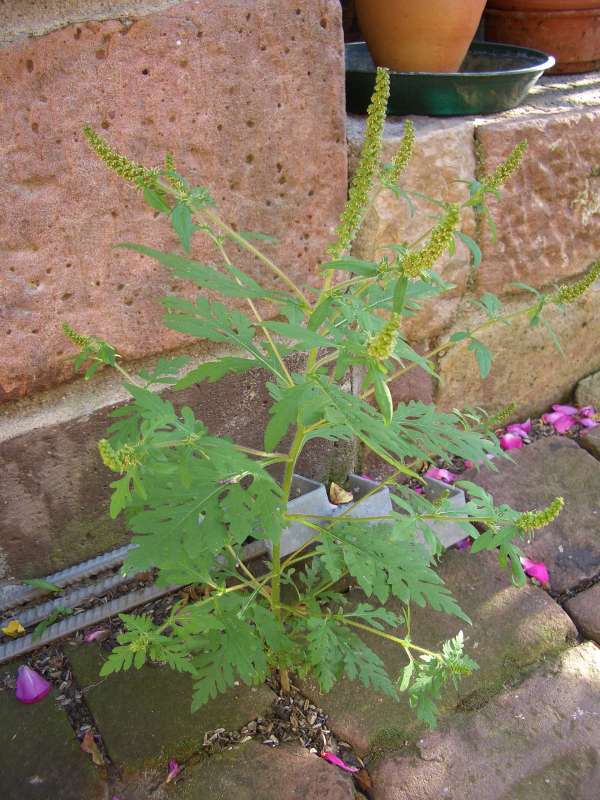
pixel 568 29
pixel 418 36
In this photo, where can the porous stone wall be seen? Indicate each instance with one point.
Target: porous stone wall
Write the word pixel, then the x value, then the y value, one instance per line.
pixel 548 222
pixel 248 96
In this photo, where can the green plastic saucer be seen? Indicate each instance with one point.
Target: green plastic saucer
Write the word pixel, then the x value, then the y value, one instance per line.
pixel 493 77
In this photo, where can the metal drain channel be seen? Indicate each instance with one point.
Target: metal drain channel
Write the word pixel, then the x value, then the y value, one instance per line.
pixel 69 625
pixel 92 616
pixel 18 594
pixel 73 598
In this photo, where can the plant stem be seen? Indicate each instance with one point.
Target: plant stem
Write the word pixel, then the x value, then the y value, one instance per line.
pixel 288 476
pixel 256 313
pixel 405 643
pixel 252 578
pixel 216 219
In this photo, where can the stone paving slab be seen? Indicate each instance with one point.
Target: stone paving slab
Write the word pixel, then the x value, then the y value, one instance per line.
pixel 512 629
pixel 539 741
pixel 588 391
pixel 144 715
pixel 584 609
pixel 590 440
pixel 257 772
pixel 40 758
pixel 550 467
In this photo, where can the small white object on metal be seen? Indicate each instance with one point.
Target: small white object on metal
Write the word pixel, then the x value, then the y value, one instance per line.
pixel 378 504
pixel 308 497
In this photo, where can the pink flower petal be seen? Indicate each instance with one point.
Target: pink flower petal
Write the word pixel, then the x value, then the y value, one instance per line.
pixel 333 759
pixel 510 441
pixel 587 411
pixel 30 686
pixel 520 428
pixel 419 489
pixel 560 422
pixel 588 423
pixel 536 569
pixel 468 463
pixel 551 417
pixel 463 544
pixel 96 633
pixel 441 474
pixel 174 770
pixel 568 410
pixel 563 424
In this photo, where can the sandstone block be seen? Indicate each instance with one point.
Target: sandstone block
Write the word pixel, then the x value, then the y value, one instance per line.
pixel 584 609
pixel 539 740
pixel 40 756
pixel 590 439
pixel 444 152
pixel 512 628
pixel 144 715
pixel 37 17
pixel 527 367
pixel 254 771
pixel 548 217
pixel 548 468
pixel 588 391
pixel 203 80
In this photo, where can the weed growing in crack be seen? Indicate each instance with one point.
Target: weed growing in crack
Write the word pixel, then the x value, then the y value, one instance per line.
pixel 192 499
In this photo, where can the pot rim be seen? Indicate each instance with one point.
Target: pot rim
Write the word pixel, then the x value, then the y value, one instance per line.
pixel 547 61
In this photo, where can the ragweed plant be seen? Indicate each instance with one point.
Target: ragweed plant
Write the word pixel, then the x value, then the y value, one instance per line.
pixel 192 499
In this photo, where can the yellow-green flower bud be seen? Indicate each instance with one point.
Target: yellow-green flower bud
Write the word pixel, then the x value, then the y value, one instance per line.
pixel 117 460
pixel 122 165
pixel 532 520
pixel 491 183
pixel 500 419
pixel 368 167
pixel 403 153
pixel 77 338
pixel 382 346
pixel 416 261
pixel 568 294
pixel 169 162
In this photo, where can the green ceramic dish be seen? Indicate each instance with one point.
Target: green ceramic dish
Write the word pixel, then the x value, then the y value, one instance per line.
pixel 493 77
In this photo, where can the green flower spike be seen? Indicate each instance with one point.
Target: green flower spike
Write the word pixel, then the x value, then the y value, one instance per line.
pixel 403 154
pixel 368 167
pixel 382 346
pixel 532 520
pixel 123 166
pixel 80 339
pixel 491 183
pixel 117 460
pixel 500 419
pixel 416 261
pixel 568 294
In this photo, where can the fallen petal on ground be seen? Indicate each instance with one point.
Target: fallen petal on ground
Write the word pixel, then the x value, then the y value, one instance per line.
pixel 521 429
pixel 536 569
pixel 510 441
pixel 30 686
pixel 333 759
pixel 441 474
pixel 174 770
